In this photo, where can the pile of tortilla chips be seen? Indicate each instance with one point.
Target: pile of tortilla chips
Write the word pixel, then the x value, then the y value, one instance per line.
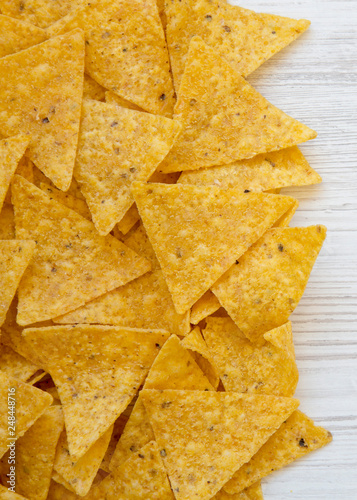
pixel 148 270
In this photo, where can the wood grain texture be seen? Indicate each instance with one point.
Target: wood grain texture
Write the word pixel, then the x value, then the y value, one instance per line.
pixel 315 80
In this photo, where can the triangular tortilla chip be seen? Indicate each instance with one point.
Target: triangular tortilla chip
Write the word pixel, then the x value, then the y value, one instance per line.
pixel 116 147
pixel 7 223
pixel 97 371
pixel 296 437
pixel 14 365
pixel 198 232
pixel 80 475
pixel 223 117
pixel 286 218
pixel 204 437
pixel 205 306
pixel 142 476
pixel 70 201
pixel 15 257
pixel 11 151
pixel 126 51
pixel 6 494
pixel 112 98
pixel 143 303
pixel 16 35
pixel 253 492
pixel 41 13
pixel 244 38
pixel 30 403
pixel 69 249
pixel 245 367
pixel 264 288
pixel 139 241
pixel 92 89
pixel 41 92
pixel 173 368
pixel 35 454
pixel 264 172
pixel 129 220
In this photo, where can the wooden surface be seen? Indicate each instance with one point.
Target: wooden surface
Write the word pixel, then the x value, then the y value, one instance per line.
pixel 315 80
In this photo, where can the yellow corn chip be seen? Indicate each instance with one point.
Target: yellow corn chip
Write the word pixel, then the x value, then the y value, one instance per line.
pixel 14 365
pixel 117 146
pixel 129 220
pixel 223 117
pixel 286 218
pixel 295 438
pixel 35 453
pixel 264 288
pixel 143 476
pixel 15 256
pixel 24 168
pixel 16 35
pixel 112 98
pixel 60 480
pixel 69 249
pixel 6 494
pixel 30 404
pixel 287 167
pixel 269 368
pixel 198 348
pixel 92 89
pixel 41 13
pixel 138 241
pixel 97 371
pixel 11 151
pixel 80 475
pixel 243 37
pixel 181 220
pixel 204 437
pixel 173 368
pixel 205 306
pixel 39 177
pixel 41 91
pixel 70 201
pixel 7 223
pixel 119 426
pixel 253 492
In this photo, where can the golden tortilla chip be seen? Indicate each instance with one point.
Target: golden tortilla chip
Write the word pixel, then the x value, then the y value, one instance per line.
pixel 139 241
pixel 97 371
pixel 223 117
pixel 30 404
pixel 68 200
pixel 143 476
pixel 198 232
pixel 264 288
pixel 69 250
pixel 245 367
pixel 244 38
pixel 204 437
pixel 80 475
pixel 15 257
pixel 6 494
pixel 41 13
pixel 119 426
pixel 173 368
pixel 295 438
pixel 205 306
pixel 287 167
pixel 253 492
pixel 11 152
pixel 117 146
pixel 41 91
pixel 16 35
pixel 286 218
pixel 92 89
pixel 112 98
pixel 39 178
pixel 7 223
pixel 16 366
pixel 129 220
pixel 35 453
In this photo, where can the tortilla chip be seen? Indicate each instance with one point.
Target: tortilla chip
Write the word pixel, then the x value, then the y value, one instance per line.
pixel 198 232
pixel 41 13
pixel 142 476
pixel 14 365
pixel 7 223
pixel 295 438
pixel 35 453
pixel 223 117
pixel 92 89
pixel 63 239
pixel 204 437
pixel 253 492
pixel 112 98
pixel 119 426
pixel 16 35
pixel 116 147
pixel 97 371
pixel 139 242
pixel 242 37
pixel 244 367
pixel 68 200
pixel 287 167
pixel 80 475
pixel 41 91
pixel 198 348
pixel 129 220
pixel 6 494
pixel 205 306
pixel 11 152
pixel 15 257
pixel 40 178
pixel 286 218
pixel 264 288
pixel 173 368
pixel 30 405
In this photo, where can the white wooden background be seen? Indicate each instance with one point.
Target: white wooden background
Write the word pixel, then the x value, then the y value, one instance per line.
pixel 315 80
